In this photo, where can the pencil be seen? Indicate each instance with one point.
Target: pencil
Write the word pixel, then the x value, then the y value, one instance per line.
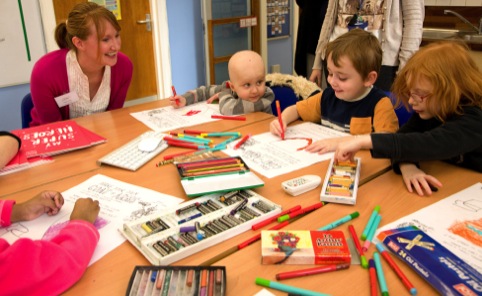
pixel 280 118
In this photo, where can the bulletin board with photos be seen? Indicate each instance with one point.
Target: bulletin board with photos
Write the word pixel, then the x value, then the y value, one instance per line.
pixel 278 14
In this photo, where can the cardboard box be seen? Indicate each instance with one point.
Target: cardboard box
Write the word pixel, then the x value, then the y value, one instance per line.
pixel 341 182
pixel 445 271
pixel 304 247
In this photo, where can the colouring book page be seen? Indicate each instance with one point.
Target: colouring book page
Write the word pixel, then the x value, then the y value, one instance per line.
pixel 167 118
pixel 270 156
pixel 119 203
pixel 455 222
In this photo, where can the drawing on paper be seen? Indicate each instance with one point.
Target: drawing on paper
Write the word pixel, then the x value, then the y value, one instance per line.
pixel 469 230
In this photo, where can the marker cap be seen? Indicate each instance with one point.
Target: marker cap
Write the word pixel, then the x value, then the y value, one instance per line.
pixel 262 282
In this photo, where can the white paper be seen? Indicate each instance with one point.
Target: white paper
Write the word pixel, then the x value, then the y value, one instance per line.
pixel 444 219
pixel 119 203
pixel 167 118
pixel 268 155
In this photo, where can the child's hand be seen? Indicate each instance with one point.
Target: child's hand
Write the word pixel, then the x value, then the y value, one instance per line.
pixel 215 97
pixel 275 127
pixel 415 178
pixel 324 146
pixel 177 101
pixel 85 209
pixel 349 146
pixel 48 202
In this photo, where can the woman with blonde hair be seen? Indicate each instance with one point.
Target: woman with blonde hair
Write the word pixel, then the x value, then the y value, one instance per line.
pixel 443 86
pixel 88 74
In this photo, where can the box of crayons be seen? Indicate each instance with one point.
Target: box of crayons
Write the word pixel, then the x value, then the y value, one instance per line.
pixel 304 247
pixel 444 270
pixel 195 225
pixel 178 280
pixel 341 182
pixel 216 175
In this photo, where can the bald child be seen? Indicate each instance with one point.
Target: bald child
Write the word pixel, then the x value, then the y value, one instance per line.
pixel 245 92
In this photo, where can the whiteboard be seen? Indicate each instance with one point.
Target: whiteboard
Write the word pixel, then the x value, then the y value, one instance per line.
pixel 19 51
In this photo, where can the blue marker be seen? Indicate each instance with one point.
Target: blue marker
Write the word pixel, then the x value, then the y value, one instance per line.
pixel 380 275
pixel 371 233
pixel 286 288
pixel 340 221
pixel 370 222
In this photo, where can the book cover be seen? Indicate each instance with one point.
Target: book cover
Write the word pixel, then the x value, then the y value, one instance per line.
pixel 55 138
pixel 21 162
pixel 444 270
pixel 304 247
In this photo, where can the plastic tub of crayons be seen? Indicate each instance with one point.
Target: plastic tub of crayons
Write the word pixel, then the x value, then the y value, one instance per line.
pixel 341 182
pixel 178 280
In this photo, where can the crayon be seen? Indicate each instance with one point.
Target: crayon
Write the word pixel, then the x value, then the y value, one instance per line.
pixel 242 141
pixel 189 218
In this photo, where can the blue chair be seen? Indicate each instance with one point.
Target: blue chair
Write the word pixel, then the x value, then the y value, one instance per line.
pixel 25 108
pixel 402 113
pixel 286 97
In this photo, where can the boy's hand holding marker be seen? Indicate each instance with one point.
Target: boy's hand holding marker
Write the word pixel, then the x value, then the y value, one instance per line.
pixel 177 101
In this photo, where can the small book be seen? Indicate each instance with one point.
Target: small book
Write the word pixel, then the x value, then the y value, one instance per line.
pixel 304 247
pixel 216 175
pixel 21 162
pixel 441 268
pixel 55 138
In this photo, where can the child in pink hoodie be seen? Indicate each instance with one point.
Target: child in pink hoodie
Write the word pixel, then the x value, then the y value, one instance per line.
pixel 47 267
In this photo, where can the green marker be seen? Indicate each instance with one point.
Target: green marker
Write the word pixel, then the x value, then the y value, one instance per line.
pixel 370 222
pixel 340 221
pixel 286 288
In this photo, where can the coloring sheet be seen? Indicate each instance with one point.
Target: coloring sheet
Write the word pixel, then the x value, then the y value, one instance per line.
pixel 455 222
pixel 167 118
pixel 270 156
pixel 119 203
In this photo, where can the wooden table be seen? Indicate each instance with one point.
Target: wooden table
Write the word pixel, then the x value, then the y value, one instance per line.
pixel 118 127
pixel 395 201
pixel 112 272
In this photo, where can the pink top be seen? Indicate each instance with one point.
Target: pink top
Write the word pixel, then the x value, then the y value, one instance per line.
pixel 41 267
pixel 49 80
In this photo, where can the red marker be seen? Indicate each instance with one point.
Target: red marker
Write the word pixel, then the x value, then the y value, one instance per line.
pixel 272 219
pixel 397 270
pixel 242 118
pixel 358 246
pixel 311 271
pixel 301 212
pixel 280 119
pixel 373 278
pixel 258 236
pixel 174 94
pixel 242 141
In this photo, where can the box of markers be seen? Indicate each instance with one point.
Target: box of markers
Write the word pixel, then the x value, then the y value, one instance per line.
pixel 444 270
pixel 178 280
pixel 304 247
pixel 192 226
pixel 341 182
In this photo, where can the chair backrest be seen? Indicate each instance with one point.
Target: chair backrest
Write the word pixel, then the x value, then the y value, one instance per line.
pixel 25 109
pixel 286 97
pixel 402 113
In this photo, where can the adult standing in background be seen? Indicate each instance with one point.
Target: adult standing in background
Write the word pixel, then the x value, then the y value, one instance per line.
pixel 88 74
pixel 398 25
pixel 312 14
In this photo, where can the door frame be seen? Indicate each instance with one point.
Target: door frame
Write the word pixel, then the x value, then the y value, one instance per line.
pixel 206 17
pixel 160 32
